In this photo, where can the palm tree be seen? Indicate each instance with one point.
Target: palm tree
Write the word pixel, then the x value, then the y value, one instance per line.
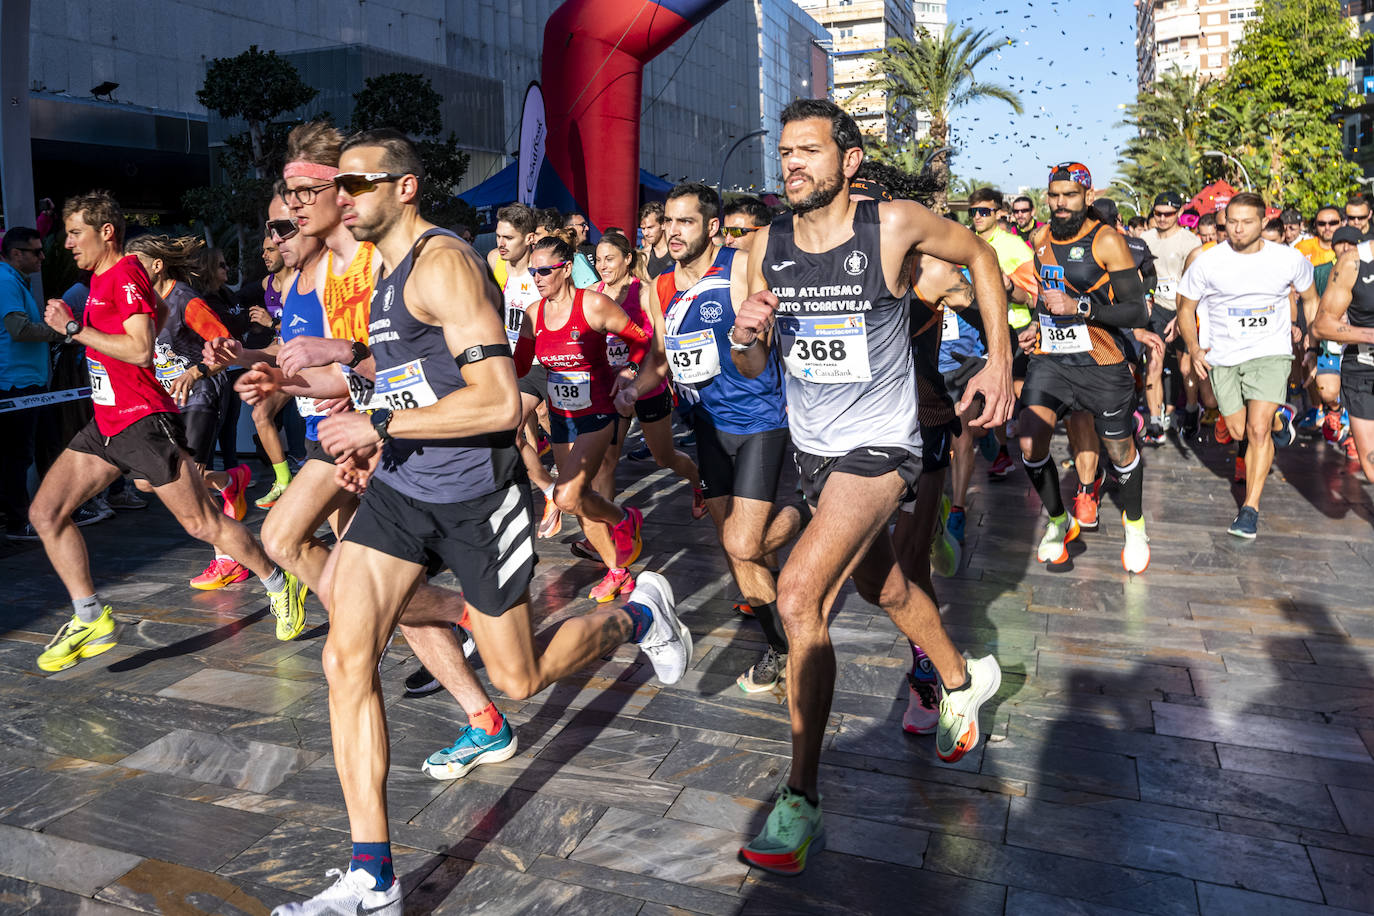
pixel 936 74
pixel 1174 123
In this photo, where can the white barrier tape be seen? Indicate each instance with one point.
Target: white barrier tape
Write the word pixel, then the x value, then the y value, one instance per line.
pixel 28 401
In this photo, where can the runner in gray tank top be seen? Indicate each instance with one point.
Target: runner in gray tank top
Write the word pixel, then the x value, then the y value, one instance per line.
pixel 830 289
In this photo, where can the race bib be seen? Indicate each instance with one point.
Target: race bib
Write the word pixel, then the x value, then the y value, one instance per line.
pixel 570 391
pixel 693 357
pixel 949 326
pixel 168 372
pixel 102 392
pixel 1364 354
pixel 1164 288
pixel 1062 334
pixel 617 351
pixel 515 317
pixel 829 350
pixel 361 389
pixel 306 408
pixel 404 387
pixel 1250 322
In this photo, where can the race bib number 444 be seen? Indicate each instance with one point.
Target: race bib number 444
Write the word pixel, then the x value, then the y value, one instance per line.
pixel 829 350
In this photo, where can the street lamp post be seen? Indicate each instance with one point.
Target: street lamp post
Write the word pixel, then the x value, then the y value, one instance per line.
pixel 1135 195
pixel 720 186
pixel 1217 154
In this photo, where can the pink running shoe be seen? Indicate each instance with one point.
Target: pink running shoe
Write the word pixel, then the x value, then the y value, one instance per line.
pixel 222 571
pixel 614 582
pixel 235 495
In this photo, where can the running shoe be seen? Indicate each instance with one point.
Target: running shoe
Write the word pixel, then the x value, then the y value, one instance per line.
pixel 1140 426
pixel 77 640
pixel 420 683
pixel 1210 416
pixel 764 674
pixel 686 440
pixel 923 706
pixel 1311 421
pixel 1002 466
pixel 639 454
pixel 1246 524
pixel 1351 452
pixel 222 571
pixel 1054 546
pixel 351 895
pixel 793 831
pixel 235 501
pixel 269 499
pixel 552 522
pixel 1285 435
pixel 584 550
pixel 1189 428
pixel 1135 556
pixel 87 514
pixel 23 534
pixel 102 507
pixel 626 534
pixel 958 733
pixel 668 642
pixel 613 583
pixel 1331 426
pixel 473 748
pixel 988 447
pixel 944 549
pixel 288 606
pixel 545 445
pixel 698 503
pixel 955 524
pixel 742 607
pixel 1154 433
pixel 1240 470
pixel 1086 501
pixel 1221 433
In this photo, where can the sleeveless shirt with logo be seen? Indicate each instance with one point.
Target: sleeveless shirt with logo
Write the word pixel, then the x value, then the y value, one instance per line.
pixel 845 341
pixel 416 369
pixel 580 376
pixel 1069 266
pixel 303 316
pixel 1359 358
pixel 180 346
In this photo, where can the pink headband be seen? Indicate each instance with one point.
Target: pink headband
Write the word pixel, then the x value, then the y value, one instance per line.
pixel 300 169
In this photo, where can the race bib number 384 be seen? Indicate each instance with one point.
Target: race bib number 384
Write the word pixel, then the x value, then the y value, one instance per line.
pixel 829 350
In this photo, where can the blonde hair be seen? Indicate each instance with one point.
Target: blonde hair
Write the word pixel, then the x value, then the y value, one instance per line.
pixel 182 257
pixel 638 261
pixel 314 141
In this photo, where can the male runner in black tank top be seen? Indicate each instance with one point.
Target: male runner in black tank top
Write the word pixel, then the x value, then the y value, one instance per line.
pixel 489 547
pixel 1090 296
pixel 1346 316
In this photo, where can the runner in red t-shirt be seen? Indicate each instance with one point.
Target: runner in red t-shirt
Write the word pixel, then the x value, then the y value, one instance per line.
pixel 137 430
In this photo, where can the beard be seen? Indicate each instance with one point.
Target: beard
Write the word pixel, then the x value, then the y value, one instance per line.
pixel 821 197
pixel 1069 226
pixel 691 251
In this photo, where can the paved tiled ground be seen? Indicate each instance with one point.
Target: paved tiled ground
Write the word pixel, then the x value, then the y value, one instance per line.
pixel 1196 740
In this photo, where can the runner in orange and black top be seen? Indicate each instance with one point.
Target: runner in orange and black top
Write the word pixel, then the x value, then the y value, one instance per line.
pixel 1091 295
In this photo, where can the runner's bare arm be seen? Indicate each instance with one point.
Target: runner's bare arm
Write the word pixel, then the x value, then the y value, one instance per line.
pixel 1330 323
pixel 656 362
pixel 603 314
pixel 754 316
pixel 1186 318
pixel 134 346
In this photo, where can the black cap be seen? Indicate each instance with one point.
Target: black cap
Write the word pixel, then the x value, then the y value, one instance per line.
pixel 1169 199
pixel 1347 234
pixel 1106 211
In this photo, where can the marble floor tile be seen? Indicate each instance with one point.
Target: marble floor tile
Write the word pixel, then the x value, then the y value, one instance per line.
pixel 164 889
pixel 221 760
pixel 489 889
pixel 670 850
pixel 246 691
pixel 35 798
pixel 512 817
pixel 1260 731
pixel 54 861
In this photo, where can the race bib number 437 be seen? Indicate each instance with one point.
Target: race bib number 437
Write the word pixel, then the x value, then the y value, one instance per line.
pixel 829 350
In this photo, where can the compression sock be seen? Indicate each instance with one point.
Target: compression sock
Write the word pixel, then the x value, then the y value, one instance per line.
pixel 282 472
pixel 488 720
pixel 375 859
pixel 1044 476
pixel 922 668
pixel 89 609
pixel 641 617
pixel 767 616
pixel 1242 448
pixel 1132 481
pixel 275 582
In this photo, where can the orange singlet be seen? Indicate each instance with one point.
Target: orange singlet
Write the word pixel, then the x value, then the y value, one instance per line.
pixel 348 296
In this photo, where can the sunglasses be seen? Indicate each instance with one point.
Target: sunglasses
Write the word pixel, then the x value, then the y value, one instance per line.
pixel 282 229
pixel 738 232
pixel 1328 222
pixel 545 271
pixel 1356 219
pixel 1019 211
pixel 306 196
pixel 355 183
pixel 981 211
pixel 1165 212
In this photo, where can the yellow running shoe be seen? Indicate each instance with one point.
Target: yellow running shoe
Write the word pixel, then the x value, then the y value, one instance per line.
pixel 77 640
pixel 288 606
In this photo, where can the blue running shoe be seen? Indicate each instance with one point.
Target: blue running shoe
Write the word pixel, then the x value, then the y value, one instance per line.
pixel 473 748
pixel 1246 524
pixel 1311 421
pixel 1285 434
pixel 955 524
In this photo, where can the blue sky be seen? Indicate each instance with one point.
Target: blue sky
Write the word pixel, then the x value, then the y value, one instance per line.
pixel 1073 63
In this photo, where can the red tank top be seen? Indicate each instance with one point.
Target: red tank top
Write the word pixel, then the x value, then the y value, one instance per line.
pixel 617 351
pixel 580 377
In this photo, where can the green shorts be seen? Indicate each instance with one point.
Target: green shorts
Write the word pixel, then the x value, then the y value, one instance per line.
pixel 1264 378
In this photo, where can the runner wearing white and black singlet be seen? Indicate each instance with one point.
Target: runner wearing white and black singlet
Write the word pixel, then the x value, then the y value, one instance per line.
pixel 834 272
pixel 1346 316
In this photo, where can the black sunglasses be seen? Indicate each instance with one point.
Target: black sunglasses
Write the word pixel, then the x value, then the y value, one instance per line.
pixel 355 183
pixel 1328 222
pixel 545 271
pixel 1358 219
pixel 1020 210
pixel 282 229
pixel 981 211
pixel 1165 212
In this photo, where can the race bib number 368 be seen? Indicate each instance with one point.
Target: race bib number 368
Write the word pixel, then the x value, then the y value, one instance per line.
pixel 828 350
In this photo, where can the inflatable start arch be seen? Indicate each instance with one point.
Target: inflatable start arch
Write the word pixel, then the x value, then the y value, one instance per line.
pixel 593 77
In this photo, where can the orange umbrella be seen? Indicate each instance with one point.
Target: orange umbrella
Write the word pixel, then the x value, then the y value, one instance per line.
pixel 1212 198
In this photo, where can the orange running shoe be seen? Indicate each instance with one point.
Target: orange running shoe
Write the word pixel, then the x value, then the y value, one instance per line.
pixel 222 571
pixel 552 522
pixel 613 583
pixel 235 500
pixel 627 535
pixel 1221 432
pixel 698 503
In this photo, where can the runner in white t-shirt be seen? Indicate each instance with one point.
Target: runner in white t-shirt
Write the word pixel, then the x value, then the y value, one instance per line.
pixel 1170 244
pixel 1241 292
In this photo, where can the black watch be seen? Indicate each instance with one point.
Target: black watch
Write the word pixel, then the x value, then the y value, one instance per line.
pixel 381 419
pixel 73 328
pixel 1083 307
pixel 360 353
pixel 204 370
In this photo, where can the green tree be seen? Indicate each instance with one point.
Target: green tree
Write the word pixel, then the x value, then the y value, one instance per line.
pixel 936 74
pixel 1170 119
pixel 409 103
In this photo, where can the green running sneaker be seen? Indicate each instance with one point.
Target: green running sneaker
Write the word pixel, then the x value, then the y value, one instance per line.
pixel 288 606
pixel 793 831
pixel 77 640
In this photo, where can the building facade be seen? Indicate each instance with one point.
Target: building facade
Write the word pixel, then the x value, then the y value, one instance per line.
pixel 1196 36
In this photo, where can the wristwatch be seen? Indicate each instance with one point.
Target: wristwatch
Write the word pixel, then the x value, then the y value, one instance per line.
pixel 360 353
pixel 73 328
pixel 1083 307
pixel 381 419
pixel 730 336
pixel 203 369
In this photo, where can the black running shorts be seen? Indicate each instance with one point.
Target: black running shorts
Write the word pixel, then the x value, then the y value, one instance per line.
pixel 1108 392
pixel 936 443
pixel 869 461
pixel 488 542
pixel 315 452
pixel 1357 390
pixel 655 407
pixel 747 465
pixel 535 383
pixel 149 448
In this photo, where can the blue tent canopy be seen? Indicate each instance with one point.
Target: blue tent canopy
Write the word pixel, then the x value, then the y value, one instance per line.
pixel 499 190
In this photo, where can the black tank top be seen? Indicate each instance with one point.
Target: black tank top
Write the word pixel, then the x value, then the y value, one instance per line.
pixel 1070 266
pixel 416 369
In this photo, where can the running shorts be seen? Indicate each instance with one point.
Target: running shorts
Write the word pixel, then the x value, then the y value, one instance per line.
pixel 936 444
pixel 149 448
pixel 1264 378
pixel 869 461
pixel 315 452
pixel 655 407
pixel 487 542
pixel 565 429
pixel 745 465
pixel 1357 391
pixel 535 383
pixel 1108 392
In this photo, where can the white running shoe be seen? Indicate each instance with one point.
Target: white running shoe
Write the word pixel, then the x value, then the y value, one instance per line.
pixel 350 895
pixel 668 642
pixel 1054 546
pixel 1135 556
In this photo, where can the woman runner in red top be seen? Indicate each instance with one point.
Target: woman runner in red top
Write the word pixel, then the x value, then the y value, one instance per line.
pixel 567 330
pixel 621 268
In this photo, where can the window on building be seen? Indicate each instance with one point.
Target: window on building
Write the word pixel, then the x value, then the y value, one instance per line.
pixel 1242 15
